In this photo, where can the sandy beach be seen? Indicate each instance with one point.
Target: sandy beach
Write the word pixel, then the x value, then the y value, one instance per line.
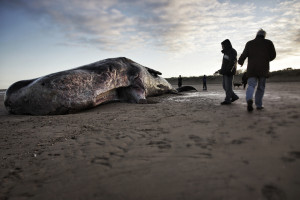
pixel 176 147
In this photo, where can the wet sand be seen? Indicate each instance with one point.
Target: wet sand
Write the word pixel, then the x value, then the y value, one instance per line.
pixel 178 147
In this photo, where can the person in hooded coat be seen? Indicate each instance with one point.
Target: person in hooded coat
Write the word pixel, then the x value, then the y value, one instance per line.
pixel 228 69
pixel 204 82
pixel 179 81
pixel 260 52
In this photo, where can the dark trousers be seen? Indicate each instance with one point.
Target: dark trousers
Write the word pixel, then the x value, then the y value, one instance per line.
pixel 227 86
pixel 204 86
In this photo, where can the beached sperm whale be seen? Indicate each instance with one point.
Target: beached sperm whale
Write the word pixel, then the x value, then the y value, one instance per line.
pixel 115 79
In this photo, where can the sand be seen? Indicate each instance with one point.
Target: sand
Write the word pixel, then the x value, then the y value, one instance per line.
pixel 178 147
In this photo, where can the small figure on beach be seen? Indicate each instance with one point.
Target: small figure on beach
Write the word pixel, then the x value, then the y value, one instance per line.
pixel 244 79
pixel 228 70
pixel 259 52
pixel 179 81
pixel 204 82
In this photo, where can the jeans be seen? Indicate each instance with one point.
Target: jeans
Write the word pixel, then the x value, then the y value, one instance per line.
pixel 259 94
pixel 227 86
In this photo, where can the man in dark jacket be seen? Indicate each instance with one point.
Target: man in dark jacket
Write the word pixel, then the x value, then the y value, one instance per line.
pixel 228 69
pixel 260 52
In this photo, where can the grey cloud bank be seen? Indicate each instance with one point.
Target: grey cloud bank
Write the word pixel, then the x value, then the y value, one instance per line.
pixel 168 25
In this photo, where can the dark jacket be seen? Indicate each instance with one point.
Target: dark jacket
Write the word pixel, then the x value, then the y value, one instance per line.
pixel 229 59
pixel 204 79
pixel 260 52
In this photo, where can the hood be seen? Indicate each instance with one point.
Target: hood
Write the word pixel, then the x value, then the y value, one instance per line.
pixel 227 44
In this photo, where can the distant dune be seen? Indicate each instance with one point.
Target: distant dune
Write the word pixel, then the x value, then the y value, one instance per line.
pixel 287 75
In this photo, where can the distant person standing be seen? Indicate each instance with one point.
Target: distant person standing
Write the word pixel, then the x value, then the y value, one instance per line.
pixel 260 52
pixel 179 81
pixel 244 79
pixel 228 69
pixel 204 83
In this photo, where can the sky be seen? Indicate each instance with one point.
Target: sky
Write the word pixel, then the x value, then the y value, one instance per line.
pixel 175 37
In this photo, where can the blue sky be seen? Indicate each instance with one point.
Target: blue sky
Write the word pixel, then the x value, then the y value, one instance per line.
pixel 38 37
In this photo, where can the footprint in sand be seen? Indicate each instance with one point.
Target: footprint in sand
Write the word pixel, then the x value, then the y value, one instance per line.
pixel 271 192
pixel 294 117
pixel 204 143
pixel 295 154
pixel 240 141
pixel 237 142
pixel 102 161
pixel 14 174
pixel 271 132
pixel 292 156
pixel 161 144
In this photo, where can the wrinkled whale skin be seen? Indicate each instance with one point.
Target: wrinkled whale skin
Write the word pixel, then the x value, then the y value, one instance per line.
pixel 114 79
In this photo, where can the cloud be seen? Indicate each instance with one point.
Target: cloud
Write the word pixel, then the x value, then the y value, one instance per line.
pixel 283 27
pixel 167 25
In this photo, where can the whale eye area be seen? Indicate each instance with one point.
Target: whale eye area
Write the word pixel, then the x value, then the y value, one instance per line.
pixel 161 86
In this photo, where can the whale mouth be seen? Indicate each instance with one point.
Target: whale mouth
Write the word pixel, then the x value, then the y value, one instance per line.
pixel 135 93
pixel 138 91
pixel 132 94
pixel 138 84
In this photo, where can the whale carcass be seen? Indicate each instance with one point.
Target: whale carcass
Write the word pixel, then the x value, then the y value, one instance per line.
pixel 115 79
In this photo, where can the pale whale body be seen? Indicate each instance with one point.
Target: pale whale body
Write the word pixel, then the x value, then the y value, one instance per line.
pixel 115 79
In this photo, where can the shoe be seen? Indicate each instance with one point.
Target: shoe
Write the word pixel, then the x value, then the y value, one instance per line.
pixel 234 99
pixel 259 108
pixel 225 103
pixel 249 105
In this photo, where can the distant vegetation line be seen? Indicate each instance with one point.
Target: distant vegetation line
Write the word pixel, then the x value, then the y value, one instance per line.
pixel 286 75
